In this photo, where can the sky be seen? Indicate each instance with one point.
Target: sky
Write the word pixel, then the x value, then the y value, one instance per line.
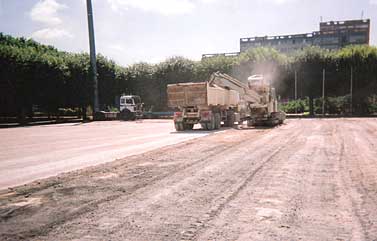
pixel 129 31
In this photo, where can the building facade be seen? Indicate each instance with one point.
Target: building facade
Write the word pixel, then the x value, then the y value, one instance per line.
pixel 336 35
pixel 331 35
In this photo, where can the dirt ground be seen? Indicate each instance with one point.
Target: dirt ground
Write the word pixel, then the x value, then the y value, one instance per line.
pixel 305 180
pixel 36 152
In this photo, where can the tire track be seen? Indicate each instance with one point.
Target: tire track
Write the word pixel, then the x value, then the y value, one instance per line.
pixel 142 180
pixel 155 202
pixel 354 185
pixel 305 206
pixel 197 227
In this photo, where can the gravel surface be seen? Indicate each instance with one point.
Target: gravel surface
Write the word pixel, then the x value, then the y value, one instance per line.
pixel 312 179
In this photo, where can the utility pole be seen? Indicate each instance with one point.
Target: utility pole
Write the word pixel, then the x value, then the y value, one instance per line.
pixel 323 91
pixel 351 89
pixel 351 84
pixel 296 91
pixel 93 60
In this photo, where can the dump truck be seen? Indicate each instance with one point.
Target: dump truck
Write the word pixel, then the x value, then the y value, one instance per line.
pixel 222 101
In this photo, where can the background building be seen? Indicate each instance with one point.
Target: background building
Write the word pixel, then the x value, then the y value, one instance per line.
pixel 331 35
pixel 335 35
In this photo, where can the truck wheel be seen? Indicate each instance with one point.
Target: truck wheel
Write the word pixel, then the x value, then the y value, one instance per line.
pixel 217 121
pixel 178 126
pixel 188 126
pixel 207 126
pixel 127 115
pixel 250 123
pixel 212 124
pixel 230 120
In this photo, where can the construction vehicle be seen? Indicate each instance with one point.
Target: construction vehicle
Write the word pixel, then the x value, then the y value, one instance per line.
pixel 224 99
pixel 130 107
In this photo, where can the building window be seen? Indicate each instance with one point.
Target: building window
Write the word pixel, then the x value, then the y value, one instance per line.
pixel 344 39
pixel 358 39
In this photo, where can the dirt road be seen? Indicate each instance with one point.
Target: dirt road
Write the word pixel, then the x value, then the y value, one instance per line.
pixel 31 153
pixel 305 180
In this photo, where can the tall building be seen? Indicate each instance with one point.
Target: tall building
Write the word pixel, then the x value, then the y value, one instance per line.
pixel 335 35
pixel 331 35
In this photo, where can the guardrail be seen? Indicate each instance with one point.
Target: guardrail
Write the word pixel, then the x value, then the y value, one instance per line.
pixel 158 115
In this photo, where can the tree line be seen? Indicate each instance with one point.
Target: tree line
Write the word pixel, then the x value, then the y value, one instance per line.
pixel 34 75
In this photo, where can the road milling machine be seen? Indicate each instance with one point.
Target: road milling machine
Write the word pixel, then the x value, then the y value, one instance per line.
pixel 224 101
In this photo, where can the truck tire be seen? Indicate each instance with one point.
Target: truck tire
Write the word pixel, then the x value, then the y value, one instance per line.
pixel 127 115
pixel 209 126
pixel 178 126
pixel 212 124
pixel 250 123
pixel 181 126
pixel 277 118
pixel 230 120
pixel 205 126
pixel 217 121
pixel 188 126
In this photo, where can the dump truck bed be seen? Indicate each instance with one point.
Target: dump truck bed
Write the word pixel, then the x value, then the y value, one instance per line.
pixel 200 94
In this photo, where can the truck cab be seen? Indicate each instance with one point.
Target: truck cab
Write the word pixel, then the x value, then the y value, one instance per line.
pixel 130 107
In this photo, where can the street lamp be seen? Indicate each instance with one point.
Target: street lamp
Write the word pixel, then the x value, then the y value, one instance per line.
pixel 323 91
pixel 296 91
pixel 92 47
pixel 351 84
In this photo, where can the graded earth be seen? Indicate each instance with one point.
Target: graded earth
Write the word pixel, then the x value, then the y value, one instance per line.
pixel 309 179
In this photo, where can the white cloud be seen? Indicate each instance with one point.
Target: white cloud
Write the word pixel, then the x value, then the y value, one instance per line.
pixel 45 11
pixel 280 1
pixel 164 7
pixel 373 2
pixel 51 34
pixel 1 7
pixel 208 1
pixel 116 48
